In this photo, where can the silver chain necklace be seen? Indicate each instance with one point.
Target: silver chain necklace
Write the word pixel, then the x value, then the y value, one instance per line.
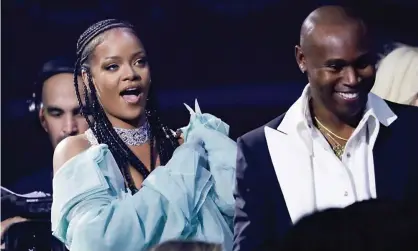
pixel 135 137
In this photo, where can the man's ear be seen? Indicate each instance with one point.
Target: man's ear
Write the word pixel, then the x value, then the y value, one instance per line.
pixel 42 119
pixel 300 58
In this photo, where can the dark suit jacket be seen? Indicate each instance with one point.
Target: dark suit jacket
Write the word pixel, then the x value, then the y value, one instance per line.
pixel 261 214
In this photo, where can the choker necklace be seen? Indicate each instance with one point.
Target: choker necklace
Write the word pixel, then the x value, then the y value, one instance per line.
pixel 136 136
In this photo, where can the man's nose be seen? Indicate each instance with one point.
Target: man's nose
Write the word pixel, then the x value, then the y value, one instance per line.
pixel 351 76
pixel 70 126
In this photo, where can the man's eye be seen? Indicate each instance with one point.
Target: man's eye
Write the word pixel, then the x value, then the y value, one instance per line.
pixel 336 67
pixel 55 113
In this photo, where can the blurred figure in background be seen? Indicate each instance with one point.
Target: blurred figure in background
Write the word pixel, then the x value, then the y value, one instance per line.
pixel 59 113
pixel 187 246
pixel 55 101
pixel 377 225
pixel 397 76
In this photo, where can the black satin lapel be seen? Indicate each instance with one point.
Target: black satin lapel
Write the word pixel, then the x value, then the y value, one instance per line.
pixel 390 177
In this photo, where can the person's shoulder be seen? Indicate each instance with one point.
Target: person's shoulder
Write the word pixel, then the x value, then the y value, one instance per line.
pixel 406 123
pixel 401 110
pixel 69 148
pixel 257 135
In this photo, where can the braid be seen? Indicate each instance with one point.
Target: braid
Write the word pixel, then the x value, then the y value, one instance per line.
pixel 101 126
pixel 161 131
pixel 77 91
pixel 93 31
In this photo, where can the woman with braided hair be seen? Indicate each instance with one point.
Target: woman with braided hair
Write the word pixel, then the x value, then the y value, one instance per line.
pixel 108 195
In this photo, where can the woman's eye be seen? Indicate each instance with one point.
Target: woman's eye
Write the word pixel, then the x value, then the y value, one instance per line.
pixel 112 67
pixel 141 62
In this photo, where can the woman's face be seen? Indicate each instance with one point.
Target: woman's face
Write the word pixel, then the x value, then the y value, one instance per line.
pixel 121 76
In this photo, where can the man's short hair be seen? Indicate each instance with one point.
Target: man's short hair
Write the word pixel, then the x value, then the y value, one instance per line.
pixel 50 68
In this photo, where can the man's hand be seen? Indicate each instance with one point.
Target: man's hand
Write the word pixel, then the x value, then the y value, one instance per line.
pixel 6 224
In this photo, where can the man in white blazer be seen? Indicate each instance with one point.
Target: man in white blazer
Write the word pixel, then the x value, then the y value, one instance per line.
pixel 336 145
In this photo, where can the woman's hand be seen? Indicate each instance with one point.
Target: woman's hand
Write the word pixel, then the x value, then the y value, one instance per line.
pixel 179 136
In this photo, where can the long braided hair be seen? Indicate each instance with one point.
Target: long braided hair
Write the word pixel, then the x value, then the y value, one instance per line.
pixel 99 122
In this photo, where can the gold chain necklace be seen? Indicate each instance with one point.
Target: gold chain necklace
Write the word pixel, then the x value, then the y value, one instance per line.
pixel 337 148
pixel 328 130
